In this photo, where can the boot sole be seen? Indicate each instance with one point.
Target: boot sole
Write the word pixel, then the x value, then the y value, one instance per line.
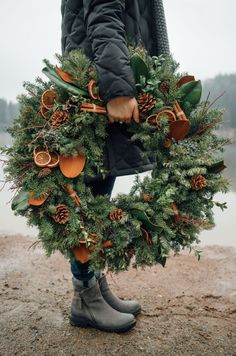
pixel 137 312
pixel 83 322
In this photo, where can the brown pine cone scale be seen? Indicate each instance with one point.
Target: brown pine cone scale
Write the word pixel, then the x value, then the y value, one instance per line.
pixel 146 102
pixel 44 172
pixel 58 119
pixel 164 87
pixel 198 182
pixel 116 215
pixel 62 215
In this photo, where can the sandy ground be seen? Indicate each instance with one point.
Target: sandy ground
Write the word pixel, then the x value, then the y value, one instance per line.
pixel 189 307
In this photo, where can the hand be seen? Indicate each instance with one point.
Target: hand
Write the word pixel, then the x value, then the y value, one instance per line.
pixel 123 109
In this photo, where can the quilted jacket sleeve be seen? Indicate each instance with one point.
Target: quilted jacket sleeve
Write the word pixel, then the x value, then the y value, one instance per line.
pixel 106 32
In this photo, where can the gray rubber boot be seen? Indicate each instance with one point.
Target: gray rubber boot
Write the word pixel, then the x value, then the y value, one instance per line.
pixel 123 306
pixel 90 309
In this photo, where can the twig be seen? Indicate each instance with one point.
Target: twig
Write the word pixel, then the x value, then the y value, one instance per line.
pixel 34 244
pixel 13 196
pixel 29 128
pixel 217 98
pixel 4 184
pixel 33 94
pixel 226 142
pixel 204 108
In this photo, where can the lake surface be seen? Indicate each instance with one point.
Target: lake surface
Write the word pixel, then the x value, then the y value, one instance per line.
pixel 223 234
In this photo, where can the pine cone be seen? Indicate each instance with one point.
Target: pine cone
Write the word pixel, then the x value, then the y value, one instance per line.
pixel 116 215
pixel 198 182
pixel 65 233
pixel 147 236
pixel 131 251
pixel 44 172
pixel 58 119
pixel 164 87
pixel 147 197
pixel 61 216
pixel 146 102
pixel 174 208
pixel 167 143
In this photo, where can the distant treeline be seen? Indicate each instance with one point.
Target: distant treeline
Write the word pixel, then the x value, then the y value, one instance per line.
pixel 223 84
pixel 8 111
pixel 216 86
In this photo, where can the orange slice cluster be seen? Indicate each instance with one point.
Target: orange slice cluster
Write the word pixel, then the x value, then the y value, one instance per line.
pixel 178 122
pixel 44 158
pixel 47 101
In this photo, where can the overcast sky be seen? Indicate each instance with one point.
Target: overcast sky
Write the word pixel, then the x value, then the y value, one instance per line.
pixel 201 32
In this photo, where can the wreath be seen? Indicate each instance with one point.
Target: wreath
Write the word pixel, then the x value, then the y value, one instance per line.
pixel 58 141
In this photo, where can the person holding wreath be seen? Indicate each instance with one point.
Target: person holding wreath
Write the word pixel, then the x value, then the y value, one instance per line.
pixel 103 28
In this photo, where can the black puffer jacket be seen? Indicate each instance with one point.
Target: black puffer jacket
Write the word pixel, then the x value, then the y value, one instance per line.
pixel 102 28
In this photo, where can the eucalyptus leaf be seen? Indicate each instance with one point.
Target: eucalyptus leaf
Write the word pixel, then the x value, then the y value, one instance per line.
pixel 56 79
pixel 20 201
pixel 191 92
pixel 139 68
pixel 144 219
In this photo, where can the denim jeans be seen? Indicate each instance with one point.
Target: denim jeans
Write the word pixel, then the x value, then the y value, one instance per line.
pixel 99 186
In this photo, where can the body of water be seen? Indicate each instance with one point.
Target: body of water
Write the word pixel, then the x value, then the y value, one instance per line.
pixel 223 234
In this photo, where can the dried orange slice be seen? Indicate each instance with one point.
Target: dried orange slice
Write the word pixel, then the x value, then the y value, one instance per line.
pixel 166 113
pixel 48 98
pixel 152 120
pixel 107 243
pixel 44 112
pixel 179 129
pixel 72 166
pixel 54 160
pixel 81 253
pixel 42 159
pixel 37 202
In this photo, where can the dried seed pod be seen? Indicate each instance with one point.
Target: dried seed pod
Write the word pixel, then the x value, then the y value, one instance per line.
pixel 44 172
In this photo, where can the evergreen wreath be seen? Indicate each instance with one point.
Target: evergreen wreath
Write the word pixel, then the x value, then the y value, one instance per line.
pixel 59 139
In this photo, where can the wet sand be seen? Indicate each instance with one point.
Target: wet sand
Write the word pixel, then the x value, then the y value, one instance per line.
pixel 188 307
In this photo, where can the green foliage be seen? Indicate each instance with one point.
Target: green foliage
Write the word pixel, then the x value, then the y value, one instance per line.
pixel 176 213
pixel 191 93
